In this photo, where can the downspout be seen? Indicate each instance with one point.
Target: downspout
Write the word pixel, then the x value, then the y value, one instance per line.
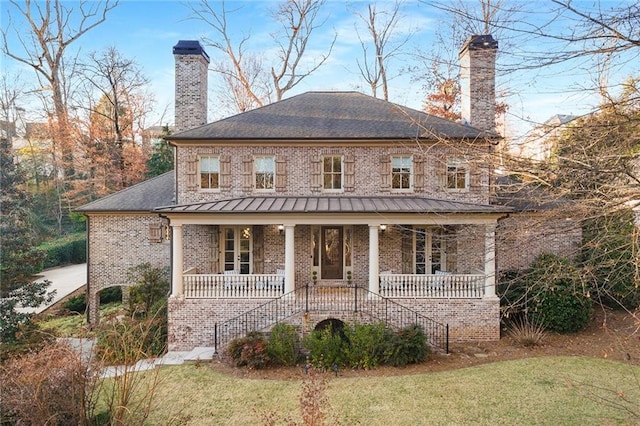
pixel 87 251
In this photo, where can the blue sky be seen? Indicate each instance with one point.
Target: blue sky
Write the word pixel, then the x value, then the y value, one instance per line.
pixel 147 31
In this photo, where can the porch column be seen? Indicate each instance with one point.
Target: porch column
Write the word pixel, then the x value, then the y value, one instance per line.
pixel 177 284
pixel 289 259
pixel 490 261
pixel 374 284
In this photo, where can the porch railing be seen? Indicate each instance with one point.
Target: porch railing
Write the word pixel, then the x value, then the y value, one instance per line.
pixel 240 286
pixel 268 286
pixel 453 286
pixel 309 298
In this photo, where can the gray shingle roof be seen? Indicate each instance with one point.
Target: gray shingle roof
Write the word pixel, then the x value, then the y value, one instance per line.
pixel 333 205
pixel 331 115
pixel 143 197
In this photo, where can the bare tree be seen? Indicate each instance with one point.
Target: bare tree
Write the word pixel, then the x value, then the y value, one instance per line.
pixel 463 19
pixel 384 42
pixel 251 81
pixel 115 87
pixel 53 27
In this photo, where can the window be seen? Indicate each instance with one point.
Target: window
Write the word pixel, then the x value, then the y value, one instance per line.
pixel 457 175
pixel 264 168
pixel 429 249
pixel 332 172
pixel 209 172
pixel 401 168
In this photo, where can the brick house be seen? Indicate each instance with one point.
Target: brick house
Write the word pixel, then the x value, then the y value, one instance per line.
pixel 326 205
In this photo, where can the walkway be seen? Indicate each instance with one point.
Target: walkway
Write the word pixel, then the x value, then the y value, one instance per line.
pixel 85 348
pixel 65 280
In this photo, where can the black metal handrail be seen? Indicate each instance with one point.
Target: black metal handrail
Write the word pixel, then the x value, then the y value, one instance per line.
pixel 311 298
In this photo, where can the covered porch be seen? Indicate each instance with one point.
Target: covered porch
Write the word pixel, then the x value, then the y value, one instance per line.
pixel 395 247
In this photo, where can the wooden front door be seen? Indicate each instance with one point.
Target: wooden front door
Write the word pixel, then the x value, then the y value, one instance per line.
pixel 332 253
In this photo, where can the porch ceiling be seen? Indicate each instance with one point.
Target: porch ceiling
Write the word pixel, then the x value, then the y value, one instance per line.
pixel 343 204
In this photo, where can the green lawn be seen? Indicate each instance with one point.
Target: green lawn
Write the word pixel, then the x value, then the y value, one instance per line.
pixel 552 390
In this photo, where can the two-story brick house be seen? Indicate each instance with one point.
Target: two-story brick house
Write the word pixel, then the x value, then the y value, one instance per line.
pixel 325 190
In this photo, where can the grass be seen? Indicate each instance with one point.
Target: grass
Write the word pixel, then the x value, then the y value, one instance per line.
pixel 549 390
pixel 73 325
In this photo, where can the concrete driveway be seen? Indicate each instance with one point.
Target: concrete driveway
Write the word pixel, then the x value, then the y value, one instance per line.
pixel 65 280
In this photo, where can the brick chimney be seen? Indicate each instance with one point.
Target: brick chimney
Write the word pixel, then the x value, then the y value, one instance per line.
pixel 477 82
pixel 192 64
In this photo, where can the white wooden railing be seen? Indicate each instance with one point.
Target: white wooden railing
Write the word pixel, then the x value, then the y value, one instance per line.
pixel 238 286
pixel 454 286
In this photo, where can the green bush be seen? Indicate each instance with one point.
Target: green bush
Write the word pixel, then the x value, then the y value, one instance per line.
pixel 110 295
pixel 76 304
pixel 152 285
pixel 560 308
pixel 326 348
pixel 65 250
pixel 250 351
pixel 284 345
pixel 551 292
pixel 611 255
pixel 367 344
pixel 408 346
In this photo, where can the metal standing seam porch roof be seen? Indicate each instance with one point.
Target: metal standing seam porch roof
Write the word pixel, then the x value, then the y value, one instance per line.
pixel 324 204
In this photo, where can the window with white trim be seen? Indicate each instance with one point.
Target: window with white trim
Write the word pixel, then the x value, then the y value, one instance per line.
pixel 401 172
pixel 429 250
pixel 209 172
pixel 457 175
pixel 332 172
pixel 264 172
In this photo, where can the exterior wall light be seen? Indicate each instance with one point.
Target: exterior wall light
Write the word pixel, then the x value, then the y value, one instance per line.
pixel 280 229
pixel 383 228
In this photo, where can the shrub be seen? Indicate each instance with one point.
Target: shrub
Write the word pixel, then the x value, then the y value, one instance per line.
pixel 52 386
pixel 128 340
pixel 366 345
pixel 250 351
pixel 64 250
pixel 284 345
pixel 562 309
pixel 76 304
pixel 326 348
pixel 611 255
pixel 408 346
pixel 152 285
pixel 110 295
pixel 551 292
pixel 525 332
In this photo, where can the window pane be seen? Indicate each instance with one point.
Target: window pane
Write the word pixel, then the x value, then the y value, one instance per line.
pixel 337 164
pixel 337 181
pixel 327 164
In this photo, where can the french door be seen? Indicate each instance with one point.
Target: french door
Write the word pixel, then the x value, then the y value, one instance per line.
pixel 237 249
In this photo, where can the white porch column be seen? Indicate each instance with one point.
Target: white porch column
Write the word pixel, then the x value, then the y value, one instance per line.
pixel 490 261
pixel 289 258
pixel 374 283
pixel 177 266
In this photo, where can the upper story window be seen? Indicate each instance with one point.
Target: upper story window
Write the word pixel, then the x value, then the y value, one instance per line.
pixel 332 172
pixel 457 175
pixel 209 172
pixel 401 172
pixel 264 171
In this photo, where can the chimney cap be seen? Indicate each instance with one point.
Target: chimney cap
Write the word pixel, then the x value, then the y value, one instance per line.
pixel 190 47
pixel 479 42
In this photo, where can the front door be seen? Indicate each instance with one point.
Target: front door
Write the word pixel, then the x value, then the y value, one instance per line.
pixel 237 249
pixel 331 250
